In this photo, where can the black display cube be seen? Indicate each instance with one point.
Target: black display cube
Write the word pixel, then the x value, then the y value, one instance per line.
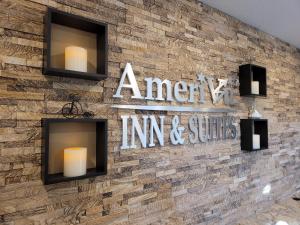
pixel 249 73
pixel 249 127
pixel 64 30
pixel 60 134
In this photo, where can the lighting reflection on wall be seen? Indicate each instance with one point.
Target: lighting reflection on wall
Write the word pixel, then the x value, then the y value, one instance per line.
pixel 280 222
pixel 267 189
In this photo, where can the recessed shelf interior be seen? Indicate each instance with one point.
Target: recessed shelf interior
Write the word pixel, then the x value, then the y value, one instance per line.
pixel 63 36
pixel 65 133
pixel 259 74
pixel 260 127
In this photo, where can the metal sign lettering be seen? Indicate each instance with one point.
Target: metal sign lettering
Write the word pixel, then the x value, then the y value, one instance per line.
pixel 200 129
pixel 182 92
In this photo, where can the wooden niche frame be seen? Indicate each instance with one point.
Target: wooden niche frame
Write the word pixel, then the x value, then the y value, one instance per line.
pixel 249 73
pixel 249 127
pixel 80 23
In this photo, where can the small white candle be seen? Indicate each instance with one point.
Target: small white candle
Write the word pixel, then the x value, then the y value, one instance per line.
pixel 76 58
pixel 75 161
pixel 256 141
pixel 255 87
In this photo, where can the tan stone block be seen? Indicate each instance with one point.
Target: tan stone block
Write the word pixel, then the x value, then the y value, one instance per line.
pixel 2 182
pixel 29 116
pixel 34 63
pixel 126 164
pixel 165 173
pixel 21 95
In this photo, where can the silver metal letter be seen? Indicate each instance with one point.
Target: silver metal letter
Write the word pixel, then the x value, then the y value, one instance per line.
pixel 176 132
pixel 203 137
pixel 180 86
pixel 193 136
pixel 216 94
pixel 192 88
pixel 159 132
pixel 141 134
pixel 228 97
pixel 232 128
pixel 159 85
pixel 225 127
pixel 219 121
pixel 202 81
pixel 125 133
pixel 212 128
pixel 132 83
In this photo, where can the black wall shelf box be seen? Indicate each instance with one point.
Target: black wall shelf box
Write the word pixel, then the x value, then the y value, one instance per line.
pixel 63 133
pixel 63 30
pixel 250 127
pixel 249 73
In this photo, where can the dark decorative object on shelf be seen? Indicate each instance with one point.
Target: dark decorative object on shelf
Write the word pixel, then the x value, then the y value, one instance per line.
pixel 254 132
pixel 88 114
pixel 74 108
pixel 75 46
pixel 253 80
pixel 61 134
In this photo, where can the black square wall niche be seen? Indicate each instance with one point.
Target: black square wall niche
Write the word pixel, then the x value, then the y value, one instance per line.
pixel 74 149
pixel 251 127
pixel 74 46
pixel 252 73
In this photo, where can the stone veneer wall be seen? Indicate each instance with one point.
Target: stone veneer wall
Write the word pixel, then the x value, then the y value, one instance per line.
pixel 213 183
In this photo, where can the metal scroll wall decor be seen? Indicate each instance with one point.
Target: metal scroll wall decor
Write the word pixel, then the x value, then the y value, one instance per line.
pixel 200 128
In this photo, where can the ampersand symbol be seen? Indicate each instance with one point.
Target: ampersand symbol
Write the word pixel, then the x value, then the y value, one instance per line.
pixel 176 132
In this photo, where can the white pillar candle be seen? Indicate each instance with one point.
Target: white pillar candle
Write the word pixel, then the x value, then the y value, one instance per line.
pixel 256 141
pixel 75 161
pixel 76 58
pixel 255 87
